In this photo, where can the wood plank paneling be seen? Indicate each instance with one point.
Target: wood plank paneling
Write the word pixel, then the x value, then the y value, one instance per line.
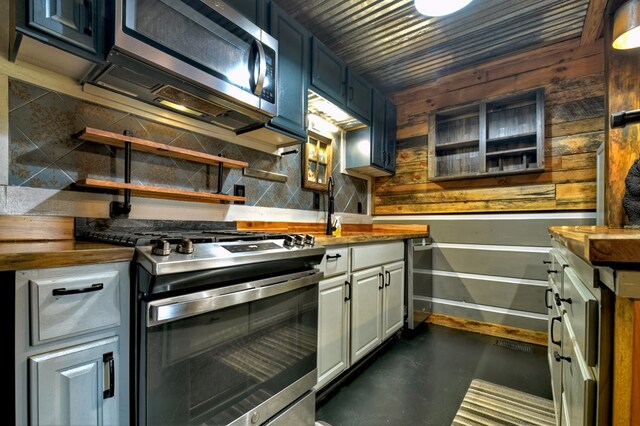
pixel 36 228
pixel 573 78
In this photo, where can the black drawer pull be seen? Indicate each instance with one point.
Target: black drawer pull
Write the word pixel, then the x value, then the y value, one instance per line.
pixel 559 299
pixel 554 319
pixel 388 283
pixel 546 262
pixel 334 256
pixel 108 359
pixel 380 280
pixel 64 292
pixel 348 297
pixel 546 292
pixel 552 271
pixel 559 357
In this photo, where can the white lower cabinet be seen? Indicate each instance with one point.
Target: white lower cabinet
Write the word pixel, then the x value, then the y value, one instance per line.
pixel 72 345
pixel 361 303
pixel 366 312
pixel 75 386
pixel 333 328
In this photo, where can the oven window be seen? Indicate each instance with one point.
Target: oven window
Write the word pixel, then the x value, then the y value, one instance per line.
pixel 215 367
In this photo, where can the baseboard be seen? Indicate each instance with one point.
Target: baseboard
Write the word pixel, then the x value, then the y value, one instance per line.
pixel 496 330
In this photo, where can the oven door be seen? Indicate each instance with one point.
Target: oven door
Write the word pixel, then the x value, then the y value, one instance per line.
pixel 234 355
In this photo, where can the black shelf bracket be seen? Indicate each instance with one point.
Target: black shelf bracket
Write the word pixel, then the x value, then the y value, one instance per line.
pixel 621 119
pixel 220 171
pixel 121 209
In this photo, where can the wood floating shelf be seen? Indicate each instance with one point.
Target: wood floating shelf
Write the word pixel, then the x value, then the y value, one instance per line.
pixel 512 137
pixel 143 145
pixel 158 191
pixel 128 142
pixel 458 144
pixel 489 174
pixel 512 151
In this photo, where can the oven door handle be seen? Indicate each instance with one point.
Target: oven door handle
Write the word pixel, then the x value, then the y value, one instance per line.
pixel 176 308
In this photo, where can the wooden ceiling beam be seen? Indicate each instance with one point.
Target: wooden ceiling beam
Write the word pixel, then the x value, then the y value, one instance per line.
pixel 593 22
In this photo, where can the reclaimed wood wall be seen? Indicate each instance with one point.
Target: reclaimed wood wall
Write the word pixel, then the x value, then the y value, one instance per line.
pixel 573 78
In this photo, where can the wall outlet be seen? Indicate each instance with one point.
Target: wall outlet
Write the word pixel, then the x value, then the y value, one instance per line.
pixel 238 191
pixel 316 201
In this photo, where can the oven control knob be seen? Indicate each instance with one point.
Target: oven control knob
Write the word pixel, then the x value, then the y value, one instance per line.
pixel 299 240
pixel 161 248
pixel 288 241
pixel 255 417
pixel 185 246
pixel 309 240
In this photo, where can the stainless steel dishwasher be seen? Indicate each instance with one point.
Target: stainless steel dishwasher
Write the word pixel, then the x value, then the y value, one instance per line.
pixel 419 281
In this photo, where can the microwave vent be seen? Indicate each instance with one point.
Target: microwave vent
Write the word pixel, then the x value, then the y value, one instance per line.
pixel 180 97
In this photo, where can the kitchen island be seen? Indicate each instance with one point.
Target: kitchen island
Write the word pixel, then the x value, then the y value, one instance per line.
pixel 607 260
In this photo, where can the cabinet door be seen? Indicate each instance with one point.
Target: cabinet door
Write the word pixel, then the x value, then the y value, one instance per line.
pixel 578 382
pixel 358 96
pixel 333 329
pixel 75 386
pixel 249 8
pixel 76 23
pixel 328 72
pixel 293 63
pixel 378 148
pixel 390 128
pixel 366 306
pixel 393 299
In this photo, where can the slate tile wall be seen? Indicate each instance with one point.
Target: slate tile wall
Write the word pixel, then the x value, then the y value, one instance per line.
pixel 43 154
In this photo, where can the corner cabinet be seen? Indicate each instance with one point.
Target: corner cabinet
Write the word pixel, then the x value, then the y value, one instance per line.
pixel 372 150
pixel 72 345
pixel 493 137
pixel 75 26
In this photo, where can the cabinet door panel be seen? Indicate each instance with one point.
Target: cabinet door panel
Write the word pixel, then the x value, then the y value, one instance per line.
pixel 578 383
pixel 328 72
pixel 358 96
pixel 333 329
pixel 378 148
pixel 293 60
pixel 249 8
pixel 67 386
pixel 393 310
pixel 73 21
pixel 365 312
pixel 390 129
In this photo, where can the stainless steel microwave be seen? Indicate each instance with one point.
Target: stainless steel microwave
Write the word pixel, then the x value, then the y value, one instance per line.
pixel 200 58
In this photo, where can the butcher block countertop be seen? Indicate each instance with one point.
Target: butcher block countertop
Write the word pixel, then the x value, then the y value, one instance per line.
pixel 600 245
pixel 30 242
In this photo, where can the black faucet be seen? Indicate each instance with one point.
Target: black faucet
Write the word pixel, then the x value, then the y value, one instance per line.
pixel 330 206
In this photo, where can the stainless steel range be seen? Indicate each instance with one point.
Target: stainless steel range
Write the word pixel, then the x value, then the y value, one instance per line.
pixel 225 332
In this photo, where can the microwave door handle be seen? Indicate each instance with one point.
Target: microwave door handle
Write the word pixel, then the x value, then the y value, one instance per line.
pixel 258 58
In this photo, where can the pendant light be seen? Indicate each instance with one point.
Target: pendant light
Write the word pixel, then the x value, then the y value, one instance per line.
pixel 439 7
pixel 626 26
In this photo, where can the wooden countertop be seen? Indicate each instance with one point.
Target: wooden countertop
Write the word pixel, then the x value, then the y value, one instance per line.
pixel 600 245
pixel 366 237
pixel 50 254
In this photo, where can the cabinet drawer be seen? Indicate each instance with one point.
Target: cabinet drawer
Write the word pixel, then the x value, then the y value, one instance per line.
pixel 582 314
pixel 368 255
pixel 68 306
pixel 579 388
pixel 335 261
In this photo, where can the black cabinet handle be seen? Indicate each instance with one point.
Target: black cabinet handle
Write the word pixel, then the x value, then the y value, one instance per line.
pixel 546 262
pixel 554 319
pixel 64 292
pixel 88 17
pixel 552 271
pixel 546 292
pixel 388 283
pixel 559 357
pixel 108 359
pixel 333 256
pixel 348 296
pixel 350 93
pixel 381 280
pixel 559 300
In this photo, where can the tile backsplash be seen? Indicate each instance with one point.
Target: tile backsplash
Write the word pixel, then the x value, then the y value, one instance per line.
pixel 44 154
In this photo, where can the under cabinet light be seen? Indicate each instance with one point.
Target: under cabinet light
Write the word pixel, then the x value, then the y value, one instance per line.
pixel 179 107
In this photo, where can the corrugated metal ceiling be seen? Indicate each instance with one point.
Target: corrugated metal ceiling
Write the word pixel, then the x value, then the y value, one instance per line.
pixel 395 47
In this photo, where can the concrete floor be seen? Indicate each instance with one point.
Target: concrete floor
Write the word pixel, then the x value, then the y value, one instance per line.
pixel 421 378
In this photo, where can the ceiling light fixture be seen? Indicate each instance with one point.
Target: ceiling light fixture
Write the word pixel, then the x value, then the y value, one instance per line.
pixel 626 26
pixel 439 7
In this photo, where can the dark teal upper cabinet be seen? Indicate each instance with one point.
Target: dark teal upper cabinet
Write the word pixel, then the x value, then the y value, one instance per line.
pixel 380 138
pixel 251 9
pixel 293 65
pixel 328 73
pixel 358 95
pixel 76 26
